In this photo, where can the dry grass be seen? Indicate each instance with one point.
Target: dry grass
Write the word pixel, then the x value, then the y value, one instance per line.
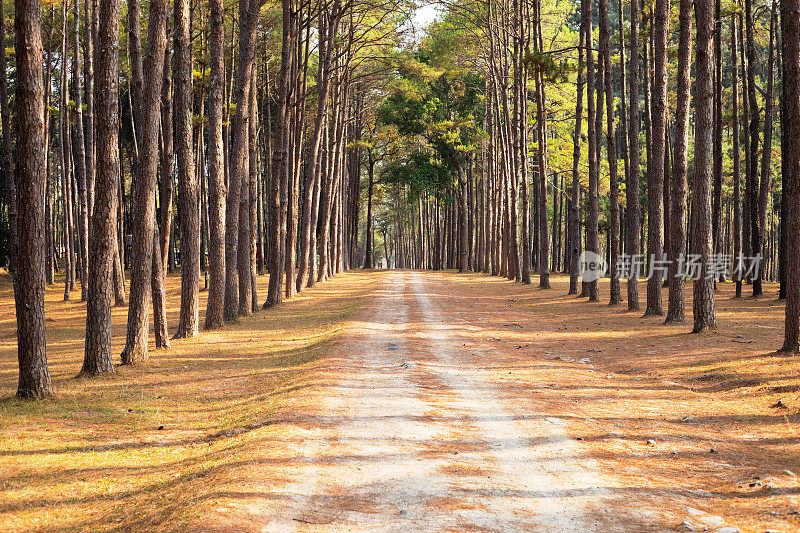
pixel 708 401
pixel 147 446
pixel 93 458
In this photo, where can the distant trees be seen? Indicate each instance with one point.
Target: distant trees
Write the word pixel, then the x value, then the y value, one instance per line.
pixel 280 138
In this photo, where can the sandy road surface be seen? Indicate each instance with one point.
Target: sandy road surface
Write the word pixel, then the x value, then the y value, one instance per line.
pixel 410 433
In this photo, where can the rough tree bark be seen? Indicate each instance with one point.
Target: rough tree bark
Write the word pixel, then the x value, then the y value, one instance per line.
pixel 790 25
pixel 575 201
pixel 737 179
pixel 188 186
pixel 279 171
pixel 188 182
pixel 80 157
pixel 144 228
pixel 248 10
pixel 760 239
pixel 9 180
pixel 97 354
pixel 34 376
pixel 655 175
pixel 217 191
pixel 676 303
pixel 611 149
pixel 632 187
pixel 703 288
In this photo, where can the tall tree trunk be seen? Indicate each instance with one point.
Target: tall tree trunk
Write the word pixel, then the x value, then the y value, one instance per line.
pixel 90 32
pixel 254 191
pixel 783 215
pixel 677 302
pixel 34 376
pixel 655 174
pixel 760 240
pixel 217 190
pixel 747 227
pixel 463 254
pixel 790 25
pixel 97 354
pixel 66 191
pixel 168 122
pixel 703 290
pixel 752 163
pixel 80 157
pixel 632 187
pixel 188 186
pixel 541 130
pixel 144 205
pixel 592 238
pixel 575 207
pixel 716 204
pixel 9 180
pixel 280 164
pixel 737 179
pixel 611 148
pixel 315 150
pixel 248 11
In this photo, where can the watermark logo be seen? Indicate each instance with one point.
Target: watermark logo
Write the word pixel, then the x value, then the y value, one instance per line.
pixel 593 266
pixel 692 267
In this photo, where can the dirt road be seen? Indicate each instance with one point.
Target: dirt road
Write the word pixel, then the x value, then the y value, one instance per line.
pixel 415 401
pixel 468 403
pixel 411 431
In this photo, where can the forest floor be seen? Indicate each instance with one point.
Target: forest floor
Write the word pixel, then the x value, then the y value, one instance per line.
pixel 415 401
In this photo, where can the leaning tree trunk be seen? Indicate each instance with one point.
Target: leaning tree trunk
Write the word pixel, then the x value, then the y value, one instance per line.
pixel 97 354
pixel 703 291
pixel 326 50
pixel 34 376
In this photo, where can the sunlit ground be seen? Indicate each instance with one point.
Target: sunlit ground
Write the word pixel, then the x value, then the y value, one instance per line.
pixel 95 458
pixel 146 445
